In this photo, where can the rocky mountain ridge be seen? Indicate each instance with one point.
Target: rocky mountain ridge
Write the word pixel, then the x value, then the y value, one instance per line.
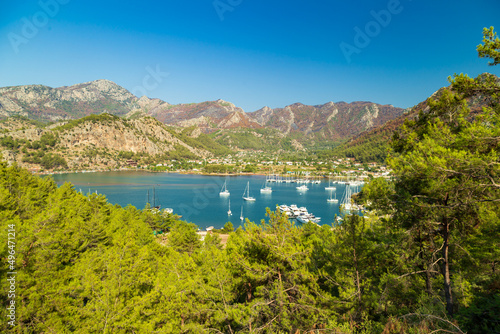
pixel 69 102
pixel 99 141
pixel 330 121
pixel 208 116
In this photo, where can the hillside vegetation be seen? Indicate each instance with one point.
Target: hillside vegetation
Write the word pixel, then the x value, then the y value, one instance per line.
pixel 374 144
pixel 103 141
pixel 306 124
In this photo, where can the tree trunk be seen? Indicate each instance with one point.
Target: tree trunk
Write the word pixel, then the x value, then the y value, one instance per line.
pixel 425 266
pixel 446 268
pixel 353 225
pixel 358 285
pixel 428 281
pixel 280 296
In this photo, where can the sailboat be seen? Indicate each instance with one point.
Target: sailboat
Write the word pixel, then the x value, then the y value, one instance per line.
pixel 332 200
pixel 302 187
pixel 229 213
pixel 224 191
pixel 346 202
pixel 246 194
pixel 330 187
pixel 154 206
pixel 241 215
pixel 266 189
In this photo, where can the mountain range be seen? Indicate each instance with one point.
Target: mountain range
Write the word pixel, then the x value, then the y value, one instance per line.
pixel 102 122
pixel 330 121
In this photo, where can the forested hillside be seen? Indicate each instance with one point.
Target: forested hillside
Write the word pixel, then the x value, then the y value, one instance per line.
pixel 84 265
pixel 374 144
pixel 101 141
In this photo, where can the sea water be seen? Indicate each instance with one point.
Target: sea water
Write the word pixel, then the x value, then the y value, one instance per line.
pixel 196 197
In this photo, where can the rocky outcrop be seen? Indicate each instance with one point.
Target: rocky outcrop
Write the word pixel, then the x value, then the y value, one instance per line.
pixel 47 103
pixel 103 138
pixel 208 116
pixel 145 135
pixel 262 115
pixel 331 121
pixel 9 156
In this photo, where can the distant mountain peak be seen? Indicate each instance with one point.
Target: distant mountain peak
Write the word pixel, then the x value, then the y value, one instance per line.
pixel 221 101
pixel 329 121
pixel 102 85
pixel 97 82
pixel 46 103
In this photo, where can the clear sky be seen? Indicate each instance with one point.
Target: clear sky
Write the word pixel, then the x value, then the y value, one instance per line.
pixel 253 53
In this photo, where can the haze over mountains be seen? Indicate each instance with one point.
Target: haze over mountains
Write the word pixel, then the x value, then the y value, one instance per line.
pixel 330 121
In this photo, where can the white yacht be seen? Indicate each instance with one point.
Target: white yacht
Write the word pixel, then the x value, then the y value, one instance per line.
pixel 332 200
pixel 266 189
pixel 246 194
pixel 330 187
pixel 224 191
pixel 346 204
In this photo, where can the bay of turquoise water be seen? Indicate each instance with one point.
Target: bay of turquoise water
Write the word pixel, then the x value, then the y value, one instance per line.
pixel 196 197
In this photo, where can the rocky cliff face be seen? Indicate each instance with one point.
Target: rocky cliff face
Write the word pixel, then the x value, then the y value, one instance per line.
pixel 99 141
pixel 208 116
pixel 331 121
pixel 144 135
pixel 50 104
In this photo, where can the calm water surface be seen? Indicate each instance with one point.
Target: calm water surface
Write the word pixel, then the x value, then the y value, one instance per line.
pixel 196 197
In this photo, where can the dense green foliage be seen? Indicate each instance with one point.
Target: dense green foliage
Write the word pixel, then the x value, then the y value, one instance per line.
pixel 373 148
pixel 214 168
pixel 447 170
pixel 10 143
pixel 87 266
pixel 265 139
pixel 201 141
pixel 446 194
pixel 52 160
pixel 23 122
pixel 94 118
pixel 179 152
pixel 490 47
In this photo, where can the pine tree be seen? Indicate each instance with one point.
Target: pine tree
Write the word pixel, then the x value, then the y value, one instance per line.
pixel 448 169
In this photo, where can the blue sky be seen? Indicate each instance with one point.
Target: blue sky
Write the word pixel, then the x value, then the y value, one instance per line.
pixel 250 52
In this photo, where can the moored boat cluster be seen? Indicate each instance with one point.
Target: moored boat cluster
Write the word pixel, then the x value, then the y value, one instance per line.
pixel 299 213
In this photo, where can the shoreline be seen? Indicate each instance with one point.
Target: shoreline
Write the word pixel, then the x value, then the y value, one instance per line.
pixel 199 196
pixel 184 172
pixel 152 171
